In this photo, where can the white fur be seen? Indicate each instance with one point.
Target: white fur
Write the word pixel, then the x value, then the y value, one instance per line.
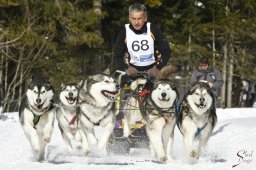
pixel 39 135
pixel 160 130
pixel 65 94
pixel 45 97
pixel 64 114
pixel 199 119
pixel 158 98
pixel 195 99
pixel 99 111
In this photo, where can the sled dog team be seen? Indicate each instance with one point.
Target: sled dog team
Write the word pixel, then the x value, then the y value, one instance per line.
pixel 91 103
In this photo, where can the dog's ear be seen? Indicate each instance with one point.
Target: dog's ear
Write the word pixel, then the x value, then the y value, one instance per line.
pixel 107 71
pixel 78 86
pixel 81 83
pixel 62 86
pixel 29 81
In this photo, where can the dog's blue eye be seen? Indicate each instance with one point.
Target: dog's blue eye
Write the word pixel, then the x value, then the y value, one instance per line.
pixel 35 91
pixel 43 92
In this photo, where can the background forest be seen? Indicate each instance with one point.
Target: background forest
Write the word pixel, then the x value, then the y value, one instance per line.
pixel 67 40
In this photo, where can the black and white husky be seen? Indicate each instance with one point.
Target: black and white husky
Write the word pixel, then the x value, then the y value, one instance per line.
pixel 36 115
pixel 96 101
pixel 66 114
pixel 197 118
pixel 158 111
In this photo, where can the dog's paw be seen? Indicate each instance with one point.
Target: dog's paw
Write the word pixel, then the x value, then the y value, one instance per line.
pixel 86 152
pixel 46 139
pixel 79 147
pixel 194 154
pixel 163 159
pixel 111 140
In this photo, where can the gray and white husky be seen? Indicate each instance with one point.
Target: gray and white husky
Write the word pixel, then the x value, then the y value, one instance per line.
pixel 157 108
pixel 158 111
pixel 97 103
pixel 197 118
pixel 66 114
pixel 36 115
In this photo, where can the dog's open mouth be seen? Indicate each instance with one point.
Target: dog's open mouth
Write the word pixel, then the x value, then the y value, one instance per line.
pixel 110 95
pixel 164 99
pixel 71 100
pixel 38 106
pixel 201 105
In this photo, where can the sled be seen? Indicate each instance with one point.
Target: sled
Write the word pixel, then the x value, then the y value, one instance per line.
pixel 138 137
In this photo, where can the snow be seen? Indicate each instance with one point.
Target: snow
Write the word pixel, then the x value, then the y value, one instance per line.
pixel 233 142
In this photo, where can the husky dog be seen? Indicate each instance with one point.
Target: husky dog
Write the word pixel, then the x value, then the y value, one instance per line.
pixel 36 115
pixel 157 108
pixel 197 117
pixel 158 111
pixel 96 101
pixel 66 115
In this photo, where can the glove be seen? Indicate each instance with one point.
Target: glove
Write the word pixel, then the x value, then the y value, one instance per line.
pixel 131 71
pixel 153 72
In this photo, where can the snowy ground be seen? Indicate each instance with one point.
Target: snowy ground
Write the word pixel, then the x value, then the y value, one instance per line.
pixel 233 143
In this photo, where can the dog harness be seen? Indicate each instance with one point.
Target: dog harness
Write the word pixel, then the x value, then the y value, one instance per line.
pixel 37 117
pixel 185 107
pixel 198 132
pixel 97 123
pixel 72 121
pixel 148 110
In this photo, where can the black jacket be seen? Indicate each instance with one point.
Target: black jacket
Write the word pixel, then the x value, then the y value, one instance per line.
pixel 160 44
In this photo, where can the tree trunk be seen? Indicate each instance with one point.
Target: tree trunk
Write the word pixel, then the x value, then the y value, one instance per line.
pixel 1 80
pixel 213 48
pixel 98 59
pixel 224 75
pixel 189 49
pixel 230 75
pixel 20 86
